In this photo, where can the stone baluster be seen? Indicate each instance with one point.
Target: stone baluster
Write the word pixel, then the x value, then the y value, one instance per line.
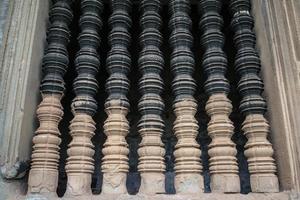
pixel 43 176
pixel 259 150
pixel 188 167
pixel 222 163
pixel 116 127
pixel 151 63
pixel 80 163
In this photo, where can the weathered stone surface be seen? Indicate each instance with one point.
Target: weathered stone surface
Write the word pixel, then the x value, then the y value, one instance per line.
pixel 277 28
pixel 4 14
pixel 20 58
pixel 259 152
pixel 223 163
pixel 277 196
pixel 80 163
pixel 43 176
pixel 280 196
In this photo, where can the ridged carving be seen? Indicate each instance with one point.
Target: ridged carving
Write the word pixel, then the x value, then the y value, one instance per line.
pixel 80 162
pixel 151 106
pixel 43 176
pixel 259 151
pixel 188 167
pixel 116 127
pixel 223 162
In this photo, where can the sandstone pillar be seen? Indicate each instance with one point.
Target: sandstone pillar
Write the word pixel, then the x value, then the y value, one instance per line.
pixel 43 175
pixel 151 106
pixel 222 163
pixel 187 154
pixel 80 163
pixel 259 151
pixel 116 127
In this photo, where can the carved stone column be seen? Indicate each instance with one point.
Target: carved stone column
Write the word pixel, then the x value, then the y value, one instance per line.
pixel 151 106
pixel 187 152
pixel 259 151
pixel 80 163
pixel 222 163
pixel 116 127
pixel 43 175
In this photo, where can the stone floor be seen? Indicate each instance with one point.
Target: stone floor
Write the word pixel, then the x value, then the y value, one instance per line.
pixel 251 196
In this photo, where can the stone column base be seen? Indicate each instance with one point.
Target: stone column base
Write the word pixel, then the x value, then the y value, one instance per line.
pixel 189 184
pixel 42 181
pixel 152 183
pixel 114 183
pixel 264 183
pixel 223 183
pixel 79 185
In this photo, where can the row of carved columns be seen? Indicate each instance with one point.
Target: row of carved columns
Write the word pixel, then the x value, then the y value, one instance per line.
pixel 223 165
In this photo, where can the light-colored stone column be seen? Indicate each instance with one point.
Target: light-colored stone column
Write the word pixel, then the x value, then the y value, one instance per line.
pixel 188 168
pixel 80 163
pixel 115 151
pixel 222 163
pixel 259 153
pixel 43 176
pixel 116 127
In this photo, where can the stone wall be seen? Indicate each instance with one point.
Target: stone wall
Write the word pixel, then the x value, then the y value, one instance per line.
pixel 278 34
pixel 4 9
pixel 20 60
